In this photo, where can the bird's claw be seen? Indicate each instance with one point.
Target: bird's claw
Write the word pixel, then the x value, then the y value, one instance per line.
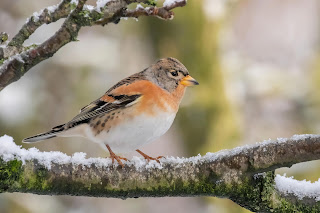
pixel 148 158
pixel 118 158
pixel 114 156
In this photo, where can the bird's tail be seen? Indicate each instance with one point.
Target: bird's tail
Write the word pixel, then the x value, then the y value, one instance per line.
pixel 43 136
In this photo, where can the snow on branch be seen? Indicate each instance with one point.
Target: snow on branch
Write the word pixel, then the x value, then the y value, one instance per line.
pixel 16 59
pixel 301 190
pixel 243 174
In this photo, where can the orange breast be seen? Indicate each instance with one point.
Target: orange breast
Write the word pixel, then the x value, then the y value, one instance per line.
pixel 152 95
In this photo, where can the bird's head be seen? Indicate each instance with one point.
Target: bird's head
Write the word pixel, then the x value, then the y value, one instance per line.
pixel 169 73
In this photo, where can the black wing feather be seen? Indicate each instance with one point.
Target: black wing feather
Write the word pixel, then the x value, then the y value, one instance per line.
pixel 100 107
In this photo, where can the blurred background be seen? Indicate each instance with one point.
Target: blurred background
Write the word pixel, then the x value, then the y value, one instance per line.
pixel 257 62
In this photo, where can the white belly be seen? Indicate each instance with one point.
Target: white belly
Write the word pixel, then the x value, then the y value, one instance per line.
pixel 132 134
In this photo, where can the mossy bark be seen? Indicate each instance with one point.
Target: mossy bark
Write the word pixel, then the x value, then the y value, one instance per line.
pixel 256 193
pixel 235 175
pixel 200 180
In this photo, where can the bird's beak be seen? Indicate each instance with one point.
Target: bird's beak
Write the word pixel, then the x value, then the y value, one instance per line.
pixel 189 81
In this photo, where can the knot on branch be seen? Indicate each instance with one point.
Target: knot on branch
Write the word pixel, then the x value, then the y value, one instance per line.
pixel 3 37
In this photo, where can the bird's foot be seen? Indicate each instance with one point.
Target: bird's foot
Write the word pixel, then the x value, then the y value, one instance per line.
pixel 148 158
pixel 118 158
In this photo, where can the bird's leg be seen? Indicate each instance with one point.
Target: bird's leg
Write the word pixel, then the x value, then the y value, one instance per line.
pixel 114 156
pixel 148 158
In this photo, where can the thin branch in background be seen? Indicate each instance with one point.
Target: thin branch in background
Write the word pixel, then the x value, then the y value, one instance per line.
pixel 45 16
pixel 17 59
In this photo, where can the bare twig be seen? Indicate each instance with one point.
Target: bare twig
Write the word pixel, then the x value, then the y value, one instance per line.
pixel 164 13
pixel 46 16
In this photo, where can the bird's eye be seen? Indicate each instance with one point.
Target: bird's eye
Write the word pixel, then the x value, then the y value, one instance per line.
pixel 174 73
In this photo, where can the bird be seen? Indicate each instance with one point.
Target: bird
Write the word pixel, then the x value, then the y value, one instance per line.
pixel 134 112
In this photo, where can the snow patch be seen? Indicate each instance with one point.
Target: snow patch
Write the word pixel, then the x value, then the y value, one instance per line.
pixel 88 7
pixel 36 15
pixel 11 58
pixel 301 189
pixel 52 9
pixel 281 140
pixel 76 2
pixel 10 151
pixel 101 4
pixel 18 57
pixel 301 137
pixel 139 6
pixel 169 3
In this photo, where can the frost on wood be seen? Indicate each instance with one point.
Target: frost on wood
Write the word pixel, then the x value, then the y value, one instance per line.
pixel 300 189
pixel 170 3
pixel 10 151
pixel 101 4
pixel 243 174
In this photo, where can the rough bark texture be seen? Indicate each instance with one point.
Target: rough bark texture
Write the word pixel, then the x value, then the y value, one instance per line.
pixel 16 59
pixel 234 174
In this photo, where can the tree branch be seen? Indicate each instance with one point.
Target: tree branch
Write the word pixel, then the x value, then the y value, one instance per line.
pixel 234 174
pixel 16 59
pixel 46 16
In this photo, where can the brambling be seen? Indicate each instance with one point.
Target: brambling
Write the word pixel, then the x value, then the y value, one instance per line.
pixel 134 112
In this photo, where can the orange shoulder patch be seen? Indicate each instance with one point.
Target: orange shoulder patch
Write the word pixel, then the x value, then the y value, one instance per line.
pixel 107 98
pixel 137 87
